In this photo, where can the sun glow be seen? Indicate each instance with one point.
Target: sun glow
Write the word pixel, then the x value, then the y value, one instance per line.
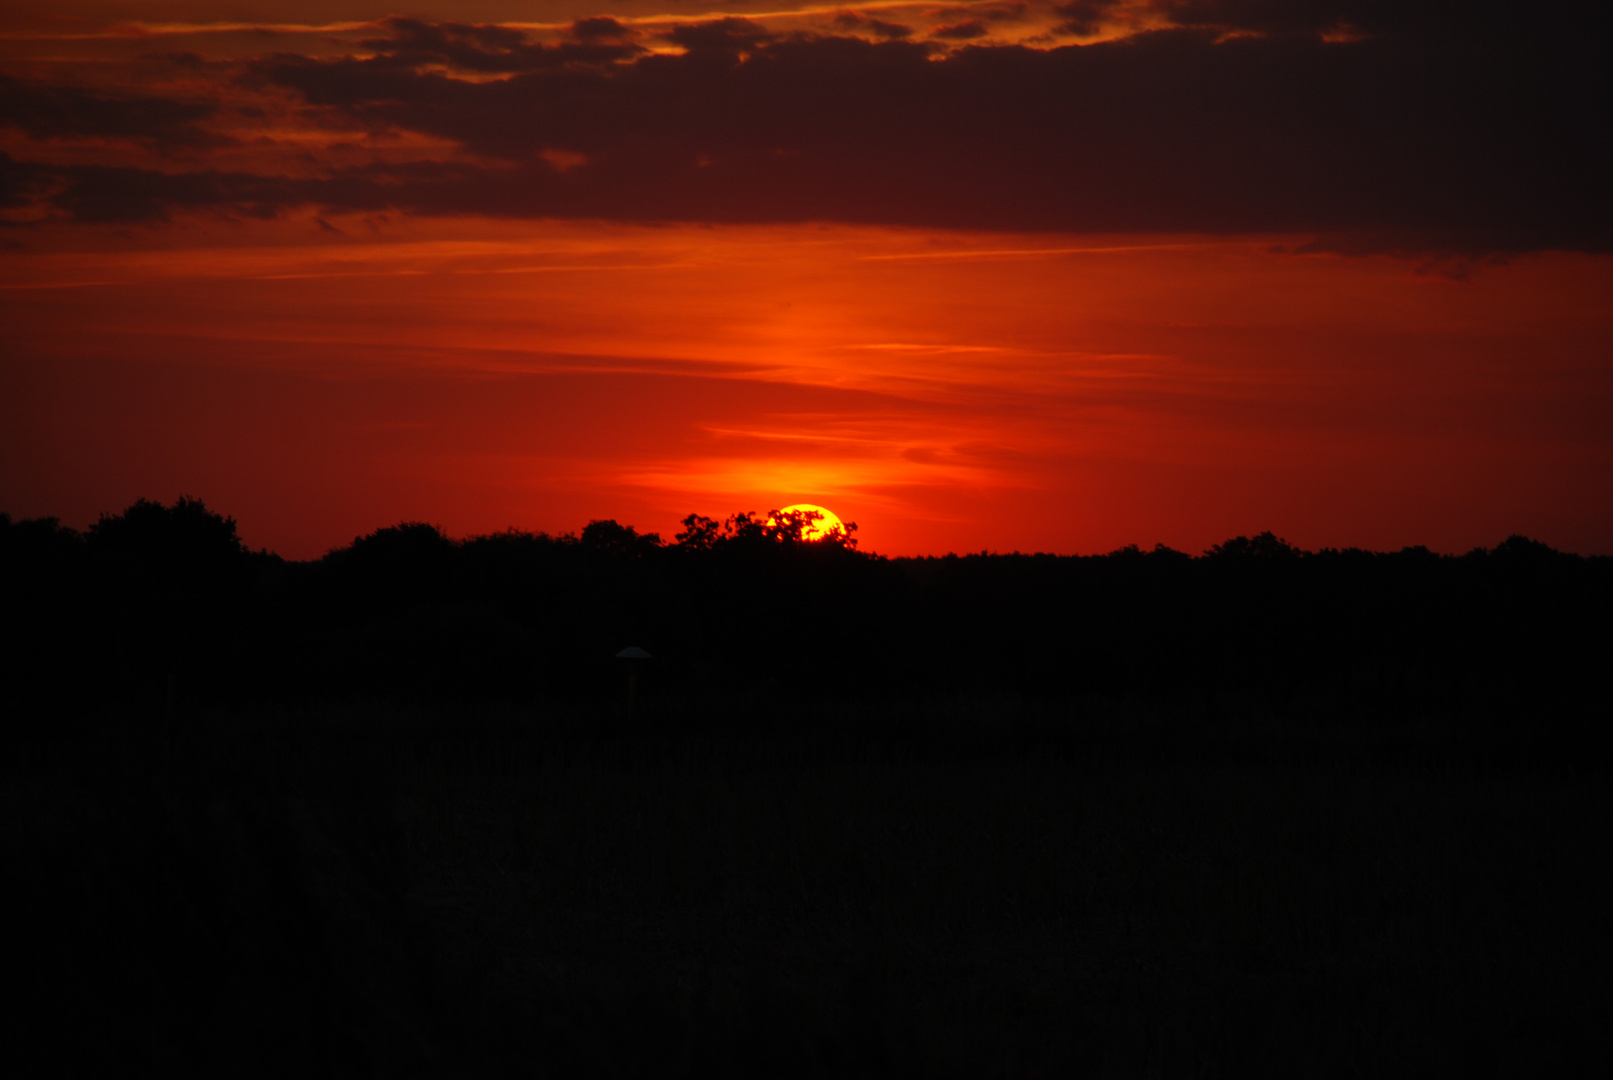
pixel 1070 402
pixel 824 524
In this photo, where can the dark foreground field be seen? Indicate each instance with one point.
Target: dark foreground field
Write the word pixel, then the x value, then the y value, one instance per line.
pixel 1103 887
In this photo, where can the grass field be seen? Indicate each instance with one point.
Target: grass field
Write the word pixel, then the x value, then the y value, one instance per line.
pixel 967 888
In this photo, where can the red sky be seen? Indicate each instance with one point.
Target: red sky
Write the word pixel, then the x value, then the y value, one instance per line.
pixel 1001 276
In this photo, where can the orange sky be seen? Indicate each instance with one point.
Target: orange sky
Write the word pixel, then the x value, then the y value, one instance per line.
pixel 319 370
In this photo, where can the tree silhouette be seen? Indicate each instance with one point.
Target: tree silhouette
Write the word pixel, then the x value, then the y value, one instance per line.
pixel 699 533
pixel 159 591
pixel 182 543
pixel 749 530
pixel 410 542
pixel 612 538
pixel 1264 546
pixel 173 596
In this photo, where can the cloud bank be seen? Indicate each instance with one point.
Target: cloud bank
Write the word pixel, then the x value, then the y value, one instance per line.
pixel 1469 128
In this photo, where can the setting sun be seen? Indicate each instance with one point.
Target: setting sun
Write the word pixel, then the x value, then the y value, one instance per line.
pixel 825 523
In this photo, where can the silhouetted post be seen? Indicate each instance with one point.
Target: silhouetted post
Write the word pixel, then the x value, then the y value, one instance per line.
pixel 634 657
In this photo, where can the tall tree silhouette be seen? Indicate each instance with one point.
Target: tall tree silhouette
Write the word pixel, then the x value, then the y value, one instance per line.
pixel 175 585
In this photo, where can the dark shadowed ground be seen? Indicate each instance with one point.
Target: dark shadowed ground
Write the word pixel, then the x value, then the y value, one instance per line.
pixel 970 888
pixel 1261 811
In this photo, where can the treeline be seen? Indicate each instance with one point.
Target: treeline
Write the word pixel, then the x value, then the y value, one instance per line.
pixel 163 607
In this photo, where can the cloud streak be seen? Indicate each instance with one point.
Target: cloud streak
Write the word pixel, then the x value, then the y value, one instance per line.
pixel 56 112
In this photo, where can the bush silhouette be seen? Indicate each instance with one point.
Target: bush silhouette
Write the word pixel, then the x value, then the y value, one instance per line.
pixel 609 537
pixel 1264 546
pixel 185 544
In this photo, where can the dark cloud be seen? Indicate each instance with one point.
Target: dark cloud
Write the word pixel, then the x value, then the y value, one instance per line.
pixel 61 112
pixel 856 20
pixel 1085 16
pixel 996 13
pixel 1315 16
pixel 964 31
pixel 1469 142
pixel 601 28
pixel 122 195
pixel 498 50
pixel 731 35
pixel 1440 24
pixel 187 59
pixel 21 184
